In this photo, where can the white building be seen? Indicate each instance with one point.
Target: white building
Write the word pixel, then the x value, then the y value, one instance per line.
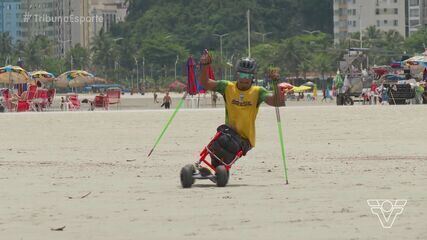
pixel 101 13
pixel 112 11
pixel 417 15
pixel 351 16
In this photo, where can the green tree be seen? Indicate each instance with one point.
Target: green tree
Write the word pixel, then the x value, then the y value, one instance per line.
pixel 80 58
pixel 36 52
pixel 372 32
pixel 6 47
pixel 266 55
pixel 416 42
pixel 304 67
pixel 322 63
pixel 103 53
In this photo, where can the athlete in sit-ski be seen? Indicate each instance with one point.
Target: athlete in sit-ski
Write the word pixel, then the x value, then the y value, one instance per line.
pixel 242 101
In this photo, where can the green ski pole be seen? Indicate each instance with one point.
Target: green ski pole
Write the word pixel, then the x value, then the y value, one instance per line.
pixel 279 122
pixel 168 123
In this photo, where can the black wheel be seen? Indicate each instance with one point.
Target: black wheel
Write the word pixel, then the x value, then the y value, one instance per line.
pixel 221 176
pixel 340 99
pixel 348 101
pixel 187 175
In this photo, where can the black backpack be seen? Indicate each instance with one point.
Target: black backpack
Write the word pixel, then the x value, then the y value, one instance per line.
pixel 228 144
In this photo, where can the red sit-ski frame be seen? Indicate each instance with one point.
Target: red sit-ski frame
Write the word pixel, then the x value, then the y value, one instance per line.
pixel 206 151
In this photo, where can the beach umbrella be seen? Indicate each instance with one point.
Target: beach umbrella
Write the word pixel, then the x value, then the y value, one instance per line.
pixel 43 76
pixel 301 89
pixel 95 80
pixel 75 78
pixel 14 75
pixel 309 84
pixel 193 85
pixel 416 60
pixel 191 76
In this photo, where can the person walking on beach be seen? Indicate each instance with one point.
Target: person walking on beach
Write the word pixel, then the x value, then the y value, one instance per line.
pixel 326 95
pixel 374 93
pixel 242 100
pixel 214 99
pixel 167 101
pixel 155 98
pixel 323 94
pixel 384 95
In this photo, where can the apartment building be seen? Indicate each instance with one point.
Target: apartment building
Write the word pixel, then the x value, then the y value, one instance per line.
pixel 417 15
pixel 38 23
pixel 60 20
pixel 11 18
pixel 112 11
pixel 352 16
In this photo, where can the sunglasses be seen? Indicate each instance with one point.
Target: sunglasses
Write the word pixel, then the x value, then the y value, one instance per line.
pixel 246 75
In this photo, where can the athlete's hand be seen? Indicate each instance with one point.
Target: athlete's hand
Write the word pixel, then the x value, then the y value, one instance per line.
pixel 274 74
pixel 205 59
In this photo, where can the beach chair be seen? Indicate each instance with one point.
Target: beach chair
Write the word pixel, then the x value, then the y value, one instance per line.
pixel 41 100
pixel 22 106
pixel 7 103
pixel 73 102
pixel 100 102
pixel 31 93
pixel 113 95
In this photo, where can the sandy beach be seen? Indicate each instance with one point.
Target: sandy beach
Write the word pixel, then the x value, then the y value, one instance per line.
pixel 144 102
pixel 88 171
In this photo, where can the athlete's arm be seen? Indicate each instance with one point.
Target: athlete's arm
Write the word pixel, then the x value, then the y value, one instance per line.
pixel 271 100
pixel 207 83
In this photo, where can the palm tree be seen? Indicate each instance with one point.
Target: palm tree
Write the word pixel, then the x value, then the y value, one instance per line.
pixel 80 56
pixel 322 63
pixel 6 47
pixel 103 53
pixel 288 55
pixel 36 51
pixel 372 36
pixel 304 67
pixel 372 32
pixel 393 36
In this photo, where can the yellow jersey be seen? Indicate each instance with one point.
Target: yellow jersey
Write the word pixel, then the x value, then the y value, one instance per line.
pixel 241 107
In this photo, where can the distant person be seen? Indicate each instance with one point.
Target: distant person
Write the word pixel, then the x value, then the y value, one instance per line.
pixel 2 108
pixel 167 101
pixel 214 99
pixel 63 104
pixel 155 98
pixel 384 96
pixel 324 95
pixel 365 96
pixel 374 93
pixel 314 93
pixel 419 90
pixel 328 94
